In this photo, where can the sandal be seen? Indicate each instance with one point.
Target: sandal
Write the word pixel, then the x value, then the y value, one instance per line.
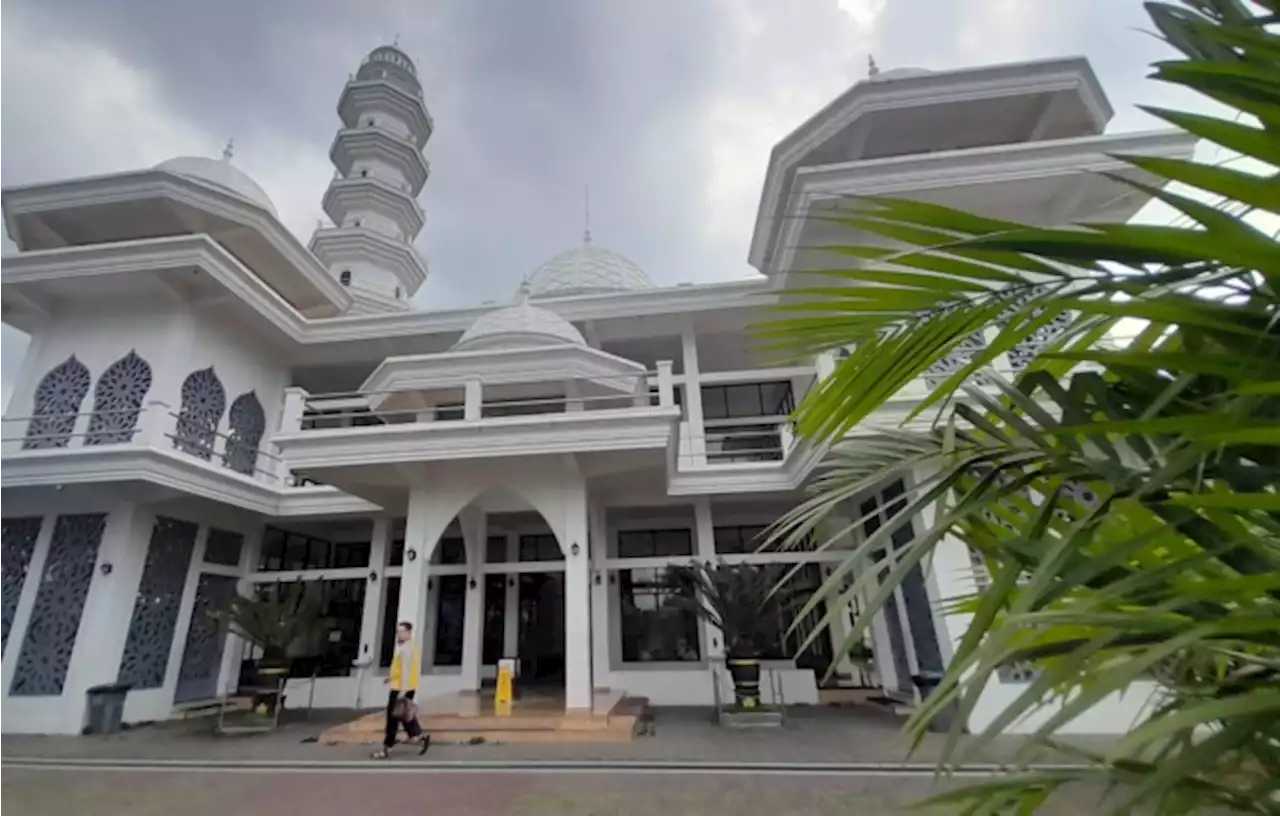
pixel 424 744
pixel 381 753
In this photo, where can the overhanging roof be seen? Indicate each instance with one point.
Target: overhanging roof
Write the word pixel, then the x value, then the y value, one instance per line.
pixel 147 204
pixel 918 113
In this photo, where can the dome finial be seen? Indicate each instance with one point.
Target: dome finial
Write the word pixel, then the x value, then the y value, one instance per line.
pixel 872 68
pixel 522 294
pixel 229 149
pixel 586 214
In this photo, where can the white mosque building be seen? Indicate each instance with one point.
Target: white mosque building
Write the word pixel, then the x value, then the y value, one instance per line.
pixel 210 405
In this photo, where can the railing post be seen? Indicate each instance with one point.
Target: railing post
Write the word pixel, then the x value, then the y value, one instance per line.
pixel 157 425
pixel 825 365
pixel 472 401
pixel 295 404
pixel 786 438
pixel 666 384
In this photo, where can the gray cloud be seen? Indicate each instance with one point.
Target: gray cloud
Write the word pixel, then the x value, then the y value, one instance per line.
pixel 666 108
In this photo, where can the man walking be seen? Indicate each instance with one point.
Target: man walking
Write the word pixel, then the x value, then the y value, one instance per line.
pixel 403 679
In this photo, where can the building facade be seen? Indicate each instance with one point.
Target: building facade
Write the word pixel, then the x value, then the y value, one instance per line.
pixel 210 407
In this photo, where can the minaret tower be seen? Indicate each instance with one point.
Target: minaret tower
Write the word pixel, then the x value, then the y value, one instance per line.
pixel 373 196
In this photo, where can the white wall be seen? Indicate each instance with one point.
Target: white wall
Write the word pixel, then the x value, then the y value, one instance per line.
pixel 172 336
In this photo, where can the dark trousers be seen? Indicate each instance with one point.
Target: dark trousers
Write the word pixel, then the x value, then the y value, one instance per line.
pixel 411 726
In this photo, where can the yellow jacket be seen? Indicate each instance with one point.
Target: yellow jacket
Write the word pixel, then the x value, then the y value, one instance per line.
pixel 398 679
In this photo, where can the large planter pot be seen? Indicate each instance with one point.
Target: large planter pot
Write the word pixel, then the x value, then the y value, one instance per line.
pixel 745 672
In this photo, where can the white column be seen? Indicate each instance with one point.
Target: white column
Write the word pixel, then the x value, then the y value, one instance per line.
pixel 704 535
pixel 511 607
pixel 666 388
pixel 422 530
pixel 375 592
pixel 474 533
pixel 572 397
pixel 234 647
pixel 577 602
pixel 108 608
pixel 693 396
pixel 295 404
pixel 186 606
pixel 601 662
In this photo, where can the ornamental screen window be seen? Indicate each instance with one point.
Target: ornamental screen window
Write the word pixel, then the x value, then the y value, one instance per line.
pixel 117 400
pixel 57 402
pixel 248 423
pixel 203 401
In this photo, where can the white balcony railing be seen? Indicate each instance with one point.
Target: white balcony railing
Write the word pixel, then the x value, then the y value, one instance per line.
pixel 155 426
pixel 305 412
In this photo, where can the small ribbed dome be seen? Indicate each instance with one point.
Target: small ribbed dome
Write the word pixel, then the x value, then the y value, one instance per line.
pixel 585 270
pixel 221 174
pixel 522 325
pixel 393 55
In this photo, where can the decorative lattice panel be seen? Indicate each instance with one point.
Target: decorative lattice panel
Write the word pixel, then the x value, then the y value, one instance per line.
pixel 223 547
pixel 248 423
pixel 117 400
pixel 1025 352
pixel 55 617
pixel 202 654
pixel 203 401
pixel 18 536
pixel 1021 672
pixel 959 357
pixel 155 611
pixel 58 398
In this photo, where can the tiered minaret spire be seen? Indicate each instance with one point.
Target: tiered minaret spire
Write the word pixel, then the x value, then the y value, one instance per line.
pixel 380 172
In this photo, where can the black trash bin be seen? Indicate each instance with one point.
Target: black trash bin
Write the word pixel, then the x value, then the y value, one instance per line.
pixel 926 682
pixel 105 708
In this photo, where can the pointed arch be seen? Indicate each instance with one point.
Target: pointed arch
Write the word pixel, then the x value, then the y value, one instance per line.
pixel 117 400
pixel 58 398
pixel 203 401
pixel 248 423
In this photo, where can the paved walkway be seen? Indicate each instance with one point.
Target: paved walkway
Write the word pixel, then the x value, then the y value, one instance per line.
pixel 37 793
pixel 811 735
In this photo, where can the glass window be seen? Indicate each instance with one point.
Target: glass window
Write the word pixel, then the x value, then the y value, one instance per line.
pixel 776 399
pixel 739 539
pixel 396 557
pixel 282 550
pixel 496 550
pixel 540 547
pixel 390 613
pixel 713 403
pixel 336 644
pixel 223 547
pixel 653 543
pixel 744 400
pixel 656 624
pixel 450 551
pixel 452 592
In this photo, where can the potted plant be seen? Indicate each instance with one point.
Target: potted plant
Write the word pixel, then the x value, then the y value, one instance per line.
pixel 737 600
pixel 273 623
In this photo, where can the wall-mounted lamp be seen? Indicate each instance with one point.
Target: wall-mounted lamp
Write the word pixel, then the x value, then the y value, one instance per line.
pixel 575 549
pixel 599 580
pixel 472 584
pixel 373 577
pixel 511 582
pixel 411 554
pixel 106 568
pixel 613 579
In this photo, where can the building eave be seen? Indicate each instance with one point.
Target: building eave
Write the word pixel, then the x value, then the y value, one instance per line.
pixel 1043 76
pixel 326 296
pixel 377 90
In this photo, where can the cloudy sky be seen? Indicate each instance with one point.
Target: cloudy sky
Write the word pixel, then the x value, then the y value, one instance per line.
pixel 667 109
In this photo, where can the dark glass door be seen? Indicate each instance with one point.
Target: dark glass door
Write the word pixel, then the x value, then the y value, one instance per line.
pixel 495 614
pixel 541 642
